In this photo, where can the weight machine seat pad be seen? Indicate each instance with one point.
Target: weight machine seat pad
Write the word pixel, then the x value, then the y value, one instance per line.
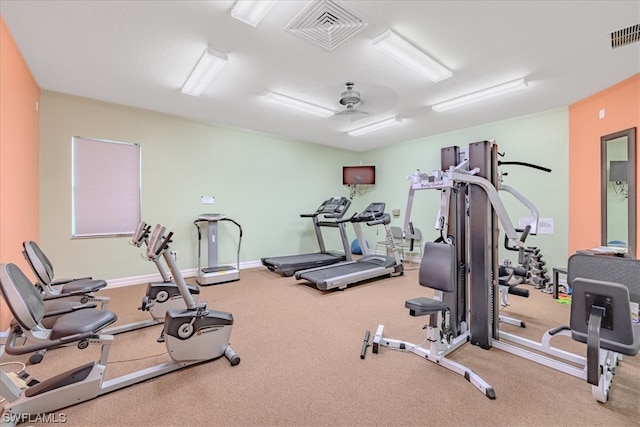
pixel 438 267
pixel 425 305
pixel 81 322
pixel 83 285
pixel 624 336
pixel 626 349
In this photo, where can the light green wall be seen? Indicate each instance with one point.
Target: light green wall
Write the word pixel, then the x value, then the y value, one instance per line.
pixel 539 138
pixel 264 182
pixel 261 181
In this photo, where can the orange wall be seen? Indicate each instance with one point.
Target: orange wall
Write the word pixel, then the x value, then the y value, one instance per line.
pixel 19 167
pixel 621 103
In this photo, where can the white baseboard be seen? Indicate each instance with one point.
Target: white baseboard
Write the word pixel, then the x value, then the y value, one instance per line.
pixel 145 278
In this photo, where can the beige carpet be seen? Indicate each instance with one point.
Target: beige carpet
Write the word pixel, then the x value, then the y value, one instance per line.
pixel 301 367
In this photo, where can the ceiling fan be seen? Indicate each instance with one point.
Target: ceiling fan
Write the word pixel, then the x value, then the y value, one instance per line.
pixel 350 98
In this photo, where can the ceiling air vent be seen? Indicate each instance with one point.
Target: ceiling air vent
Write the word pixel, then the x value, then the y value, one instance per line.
pixel 326 23
pixel 625 36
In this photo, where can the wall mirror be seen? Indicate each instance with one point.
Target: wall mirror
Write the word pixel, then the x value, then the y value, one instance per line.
pixel 618 190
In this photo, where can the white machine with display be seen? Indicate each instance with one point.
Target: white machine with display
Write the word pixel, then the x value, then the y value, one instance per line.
pixel 214 274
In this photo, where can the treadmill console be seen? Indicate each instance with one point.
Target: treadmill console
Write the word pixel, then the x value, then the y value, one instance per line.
pixel 373 211
pixel 334 207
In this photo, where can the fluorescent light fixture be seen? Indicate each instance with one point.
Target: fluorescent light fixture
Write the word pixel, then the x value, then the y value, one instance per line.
pixel 375 126
pixel 251 12
pixel 481 95
pixel 410 56
pixel 210 63
pixel 298 104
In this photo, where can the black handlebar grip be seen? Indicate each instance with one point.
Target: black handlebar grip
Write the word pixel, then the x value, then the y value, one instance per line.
pixel 164 243
pixel 519 292
pixel 531 165
pixel 412 231
pixel 525 233
pixel 347 219
pixel 365 344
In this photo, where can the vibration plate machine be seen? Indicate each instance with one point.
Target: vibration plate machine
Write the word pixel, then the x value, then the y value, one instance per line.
pixel 214 274
pixel 332 210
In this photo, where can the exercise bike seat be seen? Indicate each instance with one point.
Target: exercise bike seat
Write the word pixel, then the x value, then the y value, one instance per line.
pixel 81 322
pixel 82 286
pixel 43 270
pixel 27 306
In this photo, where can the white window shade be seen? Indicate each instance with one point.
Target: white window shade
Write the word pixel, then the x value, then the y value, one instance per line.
pixel 105 187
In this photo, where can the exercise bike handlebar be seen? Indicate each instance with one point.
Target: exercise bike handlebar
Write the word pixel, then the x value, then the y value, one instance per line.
pixel 165 243
pixel 140 234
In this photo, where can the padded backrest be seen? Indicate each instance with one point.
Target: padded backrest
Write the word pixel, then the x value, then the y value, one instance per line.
pixel 38 261
pixel 625 271
pixel 614 297
pixel 438 267
pixel 23 299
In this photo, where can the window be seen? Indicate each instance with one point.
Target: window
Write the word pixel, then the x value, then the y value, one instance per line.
pixel 105 182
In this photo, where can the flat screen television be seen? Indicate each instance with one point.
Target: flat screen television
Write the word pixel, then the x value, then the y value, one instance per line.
pixel 358 175
pixel 618 171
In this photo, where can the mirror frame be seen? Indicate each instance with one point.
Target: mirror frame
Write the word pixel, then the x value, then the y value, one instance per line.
pixel 631 179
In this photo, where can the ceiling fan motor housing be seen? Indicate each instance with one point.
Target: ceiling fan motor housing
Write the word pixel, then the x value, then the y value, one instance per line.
pixel 350 97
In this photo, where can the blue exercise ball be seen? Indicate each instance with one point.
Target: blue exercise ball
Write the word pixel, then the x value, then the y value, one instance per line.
pixel 355 247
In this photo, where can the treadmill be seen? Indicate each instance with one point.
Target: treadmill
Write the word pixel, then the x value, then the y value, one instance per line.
pixel 369 266
pixel 332 210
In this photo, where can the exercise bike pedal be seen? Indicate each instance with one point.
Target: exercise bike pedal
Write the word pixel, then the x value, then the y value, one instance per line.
pixel 147 303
